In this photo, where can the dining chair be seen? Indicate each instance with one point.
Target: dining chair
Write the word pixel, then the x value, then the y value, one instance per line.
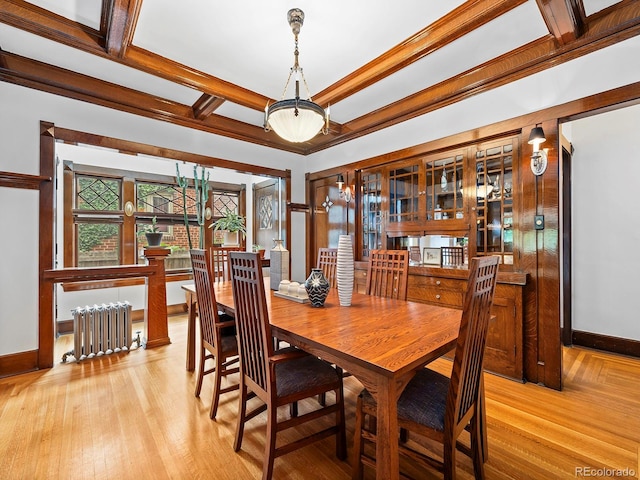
pixel 220 262
pixel 451 256
pixel 217 335
pixel 327 259
pixel 277 377
pixel 441 407
pixel 388 273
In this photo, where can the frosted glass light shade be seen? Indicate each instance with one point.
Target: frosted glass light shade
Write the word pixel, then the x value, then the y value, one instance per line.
pixel 281 118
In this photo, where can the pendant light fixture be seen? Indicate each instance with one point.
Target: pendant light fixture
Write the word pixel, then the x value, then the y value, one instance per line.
pixel 296 120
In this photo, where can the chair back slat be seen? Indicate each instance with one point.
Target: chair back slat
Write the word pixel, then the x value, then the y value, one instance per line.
pixel 327 260
pixel 388 273
pixel 207 305
pixel 466 375
pixel 252 319
pixel 220 262
pixel 451 256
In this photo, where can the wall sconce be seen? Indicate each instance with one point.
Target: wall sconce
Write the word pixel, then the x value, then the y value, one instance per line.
pixel 345 192
pixel 538 157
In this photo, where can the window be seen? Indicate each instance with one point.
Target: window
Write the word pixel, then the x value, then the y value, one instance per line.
pixel 98 220
pixel 110 211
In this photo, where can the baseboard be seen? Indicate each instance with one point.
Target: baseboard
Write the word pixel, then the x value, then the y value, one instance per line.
pixel 64 327
pixel 597 341
pixel 17 363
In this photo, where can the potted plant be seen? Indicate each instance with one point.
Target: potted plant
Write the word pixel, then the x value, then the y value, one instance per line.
pixel 154 236
pixel 232 223
pixel 259 249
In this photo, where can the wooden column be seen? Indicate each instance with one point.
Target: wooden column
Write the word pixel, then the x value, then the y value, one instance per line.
pixel 156 329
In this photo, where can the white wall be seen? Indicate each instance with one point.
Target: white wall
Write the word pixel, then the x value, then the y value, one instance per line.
pixel 19 270
pixel 606 224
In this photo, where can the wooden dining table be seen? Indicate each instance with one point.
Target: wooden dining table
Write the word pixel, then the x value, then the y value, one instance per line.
pixel 381 341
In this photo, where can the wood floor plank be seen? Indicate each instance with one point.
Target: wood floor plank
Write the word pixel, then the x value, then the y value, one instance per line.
pixel 134 416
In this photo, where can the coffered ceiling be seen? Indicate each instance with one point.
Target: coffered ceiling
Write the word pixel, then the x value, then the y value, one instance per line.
pixel 214 66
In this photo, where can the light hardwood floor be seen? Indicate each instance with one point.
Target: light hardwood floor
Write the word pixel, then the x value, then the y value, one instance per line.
pixel 134 416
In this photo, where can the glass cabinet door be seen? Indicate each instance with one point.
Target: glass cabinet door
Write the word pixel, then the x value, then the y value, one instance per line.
pixel 404 194
pixel 372 228
pixel 444 187
pixel 494 192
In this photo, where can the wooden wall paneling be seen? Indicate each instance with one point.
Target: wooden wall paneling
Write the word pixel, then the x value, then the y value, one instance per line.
pixel 528 256
pixel 328 215
pixel 46 255
pixel 566 233
pixel 128 255
pixel 549 335
pixel 540 259
pixel 69 249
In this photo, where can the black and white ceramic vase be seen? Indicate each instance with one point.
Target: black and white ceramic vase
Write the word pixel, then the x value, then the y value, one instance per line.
pixel 317 287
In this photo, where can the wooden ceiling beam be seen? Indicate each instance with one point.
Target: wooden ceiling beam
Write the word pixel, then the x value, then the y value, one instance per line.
pixel 119 19
pixel 36 20
pixel 176 72
pixel 206 105
pixel 603 30
pixel 565 19
pixel 41 76
pixel 457 23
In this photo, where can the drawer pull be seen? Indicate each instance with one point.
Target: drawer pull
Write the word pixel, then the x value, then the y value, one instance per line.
pixel 438 297
pixel 437 282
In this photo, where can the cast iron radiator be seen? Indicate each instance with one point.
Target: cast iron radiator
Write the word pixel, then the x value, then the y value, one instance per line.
pixel 101 329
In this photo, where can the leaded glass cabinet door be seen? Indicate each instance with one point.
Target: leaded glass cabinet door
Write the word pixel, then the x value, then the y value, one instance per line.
pixel 372 217
pixel 404 207
pixel 494 193
pixel 444 187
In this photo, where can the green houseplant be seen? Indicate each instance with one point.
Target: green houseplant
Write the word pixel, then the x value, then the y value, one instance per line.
pixel 232 223
pixel 154 236
pixel 259 249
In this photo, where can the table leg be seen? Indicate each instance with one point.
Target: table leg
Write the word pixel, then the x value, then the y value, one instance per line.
pixel 191 331
pixel 387 459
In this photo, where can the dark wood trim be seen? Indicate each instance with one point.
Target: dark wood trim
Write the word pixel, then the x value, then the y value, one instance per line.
pixel 17 363
pixel 75 136
pixel 623 346
pixel 206 105
pixel 120 24
pixel 564 19
pixel 37 20
pixel 567 208
pixel 299 207
pixel 69 248
pixel 21 180
pixel 113 283
pixel 46 254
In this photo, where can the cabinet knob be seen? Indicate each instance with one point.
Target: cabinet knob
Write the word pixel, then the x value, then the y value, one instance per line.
pixel 438 297
pixel 437 282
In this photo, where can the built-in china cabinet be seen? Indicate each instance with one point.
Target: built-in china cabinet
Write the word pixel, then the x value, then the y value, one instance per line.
pixel 461 196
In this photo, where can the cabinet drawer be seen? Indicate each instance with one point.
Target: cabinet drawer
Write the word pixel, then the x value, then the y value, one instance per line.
pixel 439 282
pixel 436 295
